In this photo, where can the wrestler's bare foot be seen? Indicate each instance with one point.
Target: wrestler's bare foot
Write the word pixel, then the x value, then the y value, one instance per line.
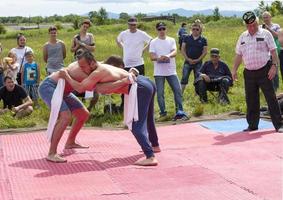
pixel 75 146
pixel 156 149
pixel 152 161
pixel 55 158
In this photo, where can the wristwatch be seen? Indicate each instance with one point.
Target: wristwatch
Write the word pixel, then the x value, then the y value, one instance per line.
pixel 274 64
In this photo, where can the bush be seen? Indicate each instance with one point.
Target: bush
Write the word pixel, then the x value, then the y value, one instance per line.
pixel 59 25
pixel 2 29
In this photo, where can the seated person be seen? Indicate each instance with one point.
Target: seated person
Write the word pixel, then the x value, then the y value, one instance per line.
pixel 214 76
pixel 15 98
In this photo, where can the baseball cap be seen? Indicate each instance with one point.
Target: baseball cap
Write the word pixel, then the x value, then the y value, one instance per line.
pixel 132 20
pixel 160 25
pixel 249 17
pixel 214 51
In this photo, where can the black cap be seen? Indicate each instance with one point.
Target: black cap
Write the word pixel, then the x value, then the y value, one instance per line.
pixel 132 20
pixel 214 51
pixel 160 25
pixel 249 17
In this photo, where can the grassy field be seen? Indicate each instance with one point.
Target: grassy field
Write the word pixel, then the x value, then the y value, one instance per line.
pixel 222 35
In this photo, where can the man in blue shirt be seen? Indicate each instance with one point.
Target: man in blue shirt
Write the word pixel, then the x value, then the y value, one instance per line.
pixel 214 76
pixel 194 49
pixel 181 34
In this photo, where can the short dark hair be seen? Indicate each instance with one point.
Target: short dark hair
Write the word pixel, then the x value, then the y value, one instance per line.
pixel 8 77
pixel 85 54
pixel 19 36
pixel 184 24
pixel 52 28
pixel 115 60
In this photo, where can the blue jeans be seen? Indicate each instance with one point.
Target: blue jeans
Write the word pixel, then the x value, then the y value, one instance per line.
pixel 1 80
pixel 46 90
pixel 174 83
pixel 144 129
pixel 187 69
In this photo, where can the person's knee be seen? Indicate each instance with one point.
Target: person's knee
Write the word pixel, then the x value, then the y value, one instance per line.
pixel 83 115
pixel 65 117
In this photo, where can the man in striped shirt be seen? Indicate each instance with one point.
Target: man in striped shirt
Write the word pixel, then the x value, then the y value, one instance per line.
pixel 254 47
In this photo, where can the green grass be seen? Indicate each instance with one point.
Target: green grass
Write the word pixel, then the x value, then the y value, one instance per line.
pixel 222 34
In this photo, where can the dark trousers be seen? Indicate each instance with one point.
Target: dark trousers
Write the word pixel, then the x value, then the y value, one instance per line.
pixel 255 79
pixel 144 129
pixel 222 86
pixel 281 63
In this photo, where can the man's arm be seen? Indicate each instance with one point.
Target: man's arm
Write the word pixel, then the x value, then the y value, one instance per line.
pixel 183 51
pixel 45 54
pixel 275 60
pixel 111 87
pixel 237 62
pixel 27 102
pixel 87 84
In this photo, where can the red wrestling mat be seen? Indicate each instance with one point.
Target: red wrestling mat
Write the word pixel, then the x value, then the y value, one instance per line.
pixel 195 164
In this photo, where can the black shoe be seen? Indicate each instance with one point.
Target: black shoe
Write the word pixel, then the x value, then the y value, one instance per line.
pixel 250 129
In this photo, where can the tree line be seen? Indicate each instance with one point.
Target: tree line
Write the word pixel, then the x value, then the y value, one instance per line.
pixel 101 17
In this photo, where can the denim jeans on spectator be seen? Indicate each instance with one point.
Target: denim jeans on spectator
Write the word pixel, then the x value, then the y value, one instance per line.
pixel 1 79
pixel 174 83
pixel 187 69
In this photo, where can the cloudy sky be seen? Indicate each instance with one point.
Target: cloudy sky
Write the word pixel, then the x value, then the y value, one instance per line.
pixel 64 7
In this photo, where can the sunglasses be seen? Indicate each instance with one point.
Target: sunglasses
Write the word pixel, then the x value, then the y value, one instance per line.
pixel 161 29
pixel 195 29
pixel 214 56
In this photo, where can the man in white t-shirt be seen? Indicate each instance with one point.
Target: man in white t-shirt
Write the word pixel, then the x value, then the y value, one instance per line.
pixel 163 51
pixel 21 49
pixel 133 42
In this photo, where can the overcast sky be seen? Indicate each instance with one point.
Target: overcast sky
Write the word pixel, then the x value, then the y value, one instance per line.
pixel 64 7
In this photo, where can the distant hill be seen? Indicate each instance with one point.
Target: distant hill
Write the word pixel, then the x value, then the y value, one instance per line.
pixel 187 13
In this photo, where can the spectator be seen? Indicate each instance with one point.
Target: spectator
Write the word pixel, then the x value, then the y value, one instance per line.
pixel 163 51
pixel 85 41
pixel 1 67
pixel 214 76
pixel 273 29
pixel 15 98
pixel 54 52
pixel 182 33
pixel 280 40
pixel 254 47
pixel 194 49
pixel 20 51
pixel 133 42
pixel 31 77
pixel 11 66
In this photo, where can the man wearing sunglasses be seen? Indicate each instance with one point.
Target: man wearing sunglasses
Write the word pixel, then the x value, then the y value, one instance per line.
pixel 163 51
pixel 194 49
pixel 254 47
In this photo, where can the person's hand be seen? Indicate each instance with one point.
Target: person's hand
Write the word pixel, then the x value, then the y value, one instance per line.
pixel 134 71
pixel 234 75
pixel 190 61
pixel 272 72
pixel 165 58
pixel 15 109
pixel 205 78
pixel 63 73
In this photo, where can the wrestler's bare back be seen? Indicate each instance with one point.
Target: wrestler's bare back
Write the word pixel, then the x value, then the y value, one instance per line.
pixel 102 74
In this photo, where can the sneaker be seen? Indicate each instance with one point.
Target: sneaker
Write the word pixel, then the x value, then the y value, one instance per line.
pixel 181 115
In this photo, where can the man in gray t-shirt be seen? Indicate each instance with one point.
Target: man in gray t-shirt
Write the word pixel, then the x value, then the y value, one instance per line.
pixel 54 52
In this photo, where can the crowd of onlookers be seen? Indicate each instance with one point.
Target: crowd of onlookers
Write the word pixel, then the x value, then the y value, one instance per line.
pixel 20 73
